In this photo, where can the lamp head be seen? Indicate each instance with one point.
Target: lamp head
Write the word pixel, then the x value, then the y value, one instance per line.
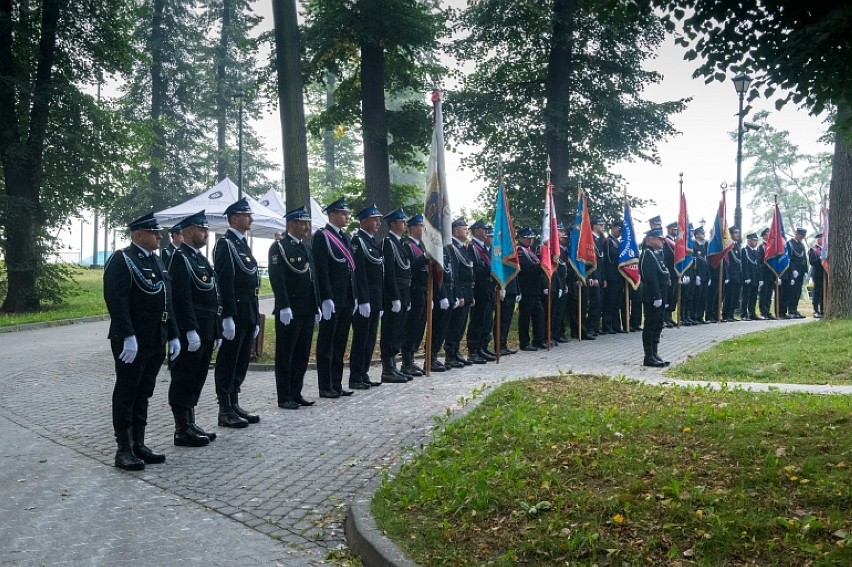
pixel 741 83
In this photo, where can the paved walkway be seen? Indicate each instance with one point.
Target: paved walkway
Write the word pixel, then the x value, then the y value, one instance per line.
pixel 275 493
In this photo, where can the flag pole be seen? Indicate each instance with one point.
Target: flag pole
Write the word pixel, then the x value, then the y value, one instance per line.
pixel 550 275
pixel 498 337
pixel 427 363
pixel 626 284
pixel 719 295
pixel 580 287
pixel 679 283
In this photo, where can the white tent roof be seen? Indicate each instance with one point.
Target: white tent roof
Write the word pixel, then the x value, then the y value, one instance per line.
pixel 276 203
pixel 214 201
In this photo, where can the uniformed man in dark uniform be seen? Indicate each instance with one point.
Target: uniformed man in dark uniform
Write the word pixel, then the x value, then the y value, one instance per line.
pixel 335 273
pixel 655 293
pixel 416 320
pixel 733 277
pixel 396 297
pixel 369 284
pixel 560 292
pixel 766 284
pixel 297 308
pixel 668 254
pixel 687 288
pixel 443 300
pixel 701 276
pixel 239 284
pixel 595 279
pixel 793 280
pixel 198 315
pixel 817 275
pixel 176 234
pixel 138 295
pixel 482 312
pixel 463 282
pixel 532 281
pixel 613 297
pixel 750 278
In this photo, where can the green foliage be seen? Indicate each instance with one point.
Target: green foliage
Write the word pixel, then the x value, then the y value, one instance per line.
pixel 582 470
pixel 815 353
pixel 502 103
pixel 800 181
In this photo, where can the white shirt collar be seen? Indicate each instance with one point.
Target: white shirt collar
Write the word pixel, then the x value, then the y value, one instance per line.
pixel 147 254
pixel 237 232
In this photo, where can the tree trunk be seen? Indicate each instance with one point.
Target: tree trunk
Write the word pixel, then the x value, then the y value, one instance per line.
pixel 557 112
pixel 22 160
pixel 222 92
pixel 158 98
pixel 839 303
pixel 328 145
pixel 376 160
pixel 291 104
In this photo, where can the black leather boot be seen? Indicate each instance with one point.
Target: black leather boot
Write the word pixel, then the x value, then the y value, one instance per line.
pixel 227 416
pixel 235 403
pixel 124 457
pixel 209 434
pixel 185 436
pixel 402 374
pixel 143 452
pixel 389 373
pixel 657 356
pixel 408 366
pixel 650 360
pixel 436 365
pixel 451 361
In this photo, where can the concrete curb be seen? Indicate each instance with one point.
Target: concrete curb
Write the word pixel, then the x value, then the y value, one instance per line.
pixel 57 323
pixel 364 538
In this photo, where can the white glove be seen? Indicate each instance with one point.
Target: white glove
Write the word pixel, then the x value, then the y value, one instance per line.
pixel 502 294
pixel 546 291
pixel 779 281
pixel 317 317
pixel 327 309
pixel 658 303
pixel 726 281
pixel 795 274
pixel 697 280
pixel 667 305
pixel 216 344
pixel 408 308
pixel 256 331
pixel 686 280
pixel 194 341
pixel 748 281
pixel 396 306
pixel 456 304
pixel 364 310
pixel 229 330
pixel 444 304
pixel 285 316
pixel 381 313
pixel 560 294
pixel 760 284
pixel 793 282
pixel 128 353
pixel 518 298
pixel 174 349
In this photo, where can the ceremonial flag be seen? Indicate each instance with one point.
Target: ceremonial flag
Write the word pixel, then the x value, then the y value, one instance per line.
pixel 683 243
pixel 721 243
pixel 628 251
pixel 581 252
pixel 824 254
pixel 504 250
pixel 775 254
pixel 549 235
pixel 437 216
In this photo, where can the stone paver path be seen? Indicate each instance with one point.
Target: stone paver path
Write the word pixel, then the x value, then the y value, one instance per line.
pixel 275 493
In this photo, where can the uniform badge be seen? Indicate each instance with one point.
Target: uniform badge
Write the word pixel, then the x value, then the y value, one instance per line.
pixel 204 278
pixel 299 259
pixel 275 259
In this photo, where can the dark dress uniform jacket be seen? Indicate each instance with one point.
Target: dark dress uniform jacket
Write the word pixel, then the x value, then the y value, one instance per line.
pixel 531 279
pixel 196 297
pixel 369 270
pixel 655 276
pixel 397 270
pixel 138 295
pixel 333 270
pixel 462 269
pixel 291 275
pixel 238 279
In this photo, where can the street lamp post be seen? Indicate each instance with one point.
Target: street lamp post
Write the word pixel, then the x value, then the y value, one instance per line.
pixel 741 84
pixel 238 98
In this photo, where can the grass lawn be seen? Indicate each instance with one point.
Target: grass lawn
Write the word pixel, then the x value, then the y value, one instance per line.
pixel 581 470
pixel 815 353
pixel 84 298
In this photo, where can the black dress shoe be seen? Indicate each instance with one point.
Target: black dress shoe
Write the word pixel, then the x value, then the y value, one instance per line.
pixel 463 360
pixel 504 352
pixel 665 362
pixel 621 331
pixel 344 393
pixel 372 383
pixel 489 352
pixel 359 386
pixel 476 359
pixel 588 337
pixel 303 402
pixel 540 346
pixel 393 379
pixel 486 356
pixel 771 317
pixel 529 348
pixel 329 394
pixel 635 329
pixel 289 404
pixel 437 366
pixel 650 361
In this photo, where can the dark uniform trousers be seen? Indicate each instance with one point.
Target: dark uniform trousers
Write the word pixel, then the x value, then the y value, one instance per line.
pixel 456 327
pixel 507 312
pixel 189 373
pixel 238 290
pixel 481 317
pixel 416 323
pixel 655 286
pixel 147 315
pixel 792 286
pixel 292 351
pixel 531 310
pixel 364 331
pixel 397 282
pixel 613 304
pixel 393 328
pixel 332 340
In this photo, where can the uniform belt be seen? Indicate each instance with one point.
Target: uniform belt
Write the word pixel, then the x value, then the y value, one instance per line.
pixel 466 285
pixel 243 292
pixel 165 317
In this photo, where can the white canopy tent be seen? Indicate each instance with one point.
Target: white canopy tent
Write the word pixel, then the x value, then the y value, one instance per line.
pixel 276 203
pixel 214 201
